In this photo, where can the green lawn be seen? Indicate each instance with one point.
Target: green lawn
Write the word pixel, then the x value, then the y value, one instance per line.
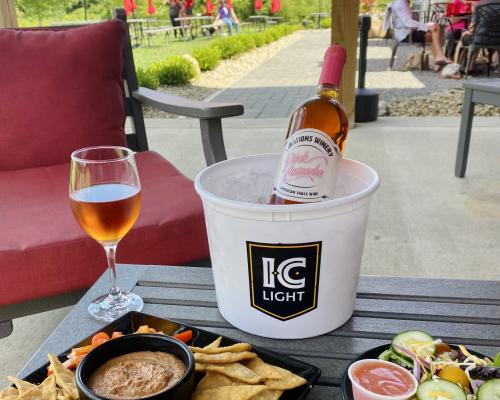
pixel 144 56
pixel 160 48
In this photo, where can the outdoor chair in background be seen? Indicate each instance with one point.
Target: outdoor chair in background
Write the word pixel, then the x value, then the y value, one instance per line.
pixel 486 33
pixel 437 11
pixel 395 42
pixel 64 89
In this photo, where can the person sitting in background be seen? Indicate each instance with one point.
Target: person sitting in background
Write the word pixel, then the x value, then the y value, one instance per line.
pixel 467 38
pixel 405 27
pixel 455 28
pixel 224 17
pixel 232 13
pixel 174 8
pixel 187 11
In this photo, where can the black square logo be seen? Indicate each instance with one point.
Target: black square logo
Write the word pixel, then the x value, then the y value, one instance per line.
pixel 284 278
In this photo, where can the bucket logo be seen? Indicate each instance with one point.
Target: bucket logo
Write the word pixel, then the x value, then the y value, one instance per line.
pixel 284 278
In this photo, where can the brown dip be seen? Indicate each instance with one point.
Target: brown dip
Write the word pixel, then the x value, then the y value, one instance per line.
pixel 136 375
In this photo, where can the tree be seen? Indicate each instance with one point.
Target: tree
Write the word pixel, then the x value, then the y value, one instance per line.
pixel 38 8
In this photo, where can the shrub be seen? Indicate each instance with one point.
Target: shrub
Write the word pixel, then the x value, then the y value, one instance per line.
pixel 247 41
pixel 147 78
pixel 207 57
pixel 174 70
pixel 268 36
pixel 326 23
pixel 229 46
pixel 257 39
pixel 273 34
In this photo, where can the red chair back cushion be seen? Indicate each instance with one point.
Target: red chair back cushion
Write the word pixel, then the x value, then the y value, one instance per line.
pixel 60 90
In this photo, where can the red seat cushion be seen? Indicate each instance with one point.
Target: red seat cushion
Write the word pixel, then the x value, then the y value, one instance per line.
pixel 44 252
pixel 59 91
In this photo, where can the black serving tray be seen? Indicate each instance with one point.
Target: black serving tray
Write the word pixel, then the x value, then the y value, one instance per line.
pixel 129 323
pixel 345 383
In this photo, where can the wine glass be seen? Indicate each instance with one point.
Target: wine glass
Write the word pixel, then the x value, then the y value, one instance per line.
pixel 105 198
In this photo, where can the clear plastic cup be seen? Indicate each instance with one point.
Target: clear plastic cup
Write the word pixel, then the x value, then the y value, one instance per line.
pixel 361 393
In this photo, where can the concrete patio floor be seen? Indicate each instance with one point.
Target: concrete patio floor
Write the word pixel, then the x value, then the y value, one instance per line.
pixel 423 221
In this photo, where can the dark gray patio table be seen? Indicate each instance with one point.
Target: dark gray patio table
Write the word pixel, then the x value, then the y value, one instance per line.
pixel 460 312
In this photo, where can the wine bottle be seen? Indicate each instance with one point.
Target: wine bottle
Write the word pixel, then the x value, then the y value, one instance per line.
pixel 315 140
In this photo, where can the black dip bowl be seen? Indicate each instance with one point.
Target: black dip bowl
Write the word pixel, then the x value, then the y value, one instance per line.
pixel 182 390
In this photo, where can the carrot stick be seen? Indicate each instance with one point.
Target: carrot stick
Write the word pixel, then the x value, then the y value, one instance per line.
pixel 185 336
pixel 99 338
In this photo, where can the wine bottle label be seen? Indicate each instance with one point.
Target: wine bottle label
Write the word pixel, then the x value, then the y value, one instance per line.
pixel 308 170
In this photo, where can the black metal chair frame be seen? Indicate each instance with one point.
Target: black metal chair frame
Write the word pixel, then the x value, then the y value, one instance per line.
pixel 209 114
pixel 481 11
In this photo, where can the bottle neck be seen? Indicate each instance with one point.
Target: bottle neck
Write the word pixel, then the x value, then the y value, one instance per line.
pixel 328 90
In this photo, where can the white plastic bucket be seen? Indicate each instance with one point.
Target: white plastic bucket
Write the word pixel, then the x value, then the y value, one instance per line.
pixel 287 271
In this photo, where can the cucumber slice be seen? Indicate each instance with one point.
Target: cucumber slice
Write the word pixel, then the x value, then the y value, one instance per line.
pixel 437 389
pixel 389 355
pixel 385 356
pixel 489 390
pixel 418 342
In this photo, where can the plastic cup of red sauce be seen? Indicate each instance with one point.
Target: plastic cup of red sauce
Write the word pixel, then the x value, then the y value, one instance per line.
pixel 381 380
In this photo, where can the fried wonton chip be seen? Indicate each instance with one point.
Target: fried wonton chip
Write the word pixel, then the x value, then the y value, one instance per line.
pixel 223 358
pixel 33 394
pixel 21 385
pixel 235 348
pixel 243 392
pixel 268 395
pixel 235 371
pixel 9 393
pixel 65 379
pixel 215 344
pixel 266 371
pixel 213 380
pixel 48 388
pixel 287 381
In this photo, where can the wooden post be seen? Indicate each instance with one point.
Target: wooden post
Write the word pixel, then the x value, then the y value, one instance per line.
pixel 8 14
pixel 345 14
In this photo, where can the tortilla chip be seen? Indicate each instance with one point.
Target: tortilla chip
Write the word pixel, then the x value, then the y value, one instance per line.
pixel 235 371
pixel 9 393
pixel 243 392
pixel 266 371
pixel 199 367
pixel 268 395
pixel 64 377
pixel 213 380
pixel 33 394
pixel 48 388
pixel 287 381
pixel 62 395
pixel 223 358
pixel 21 385
pixel 214 344
pixel 235 348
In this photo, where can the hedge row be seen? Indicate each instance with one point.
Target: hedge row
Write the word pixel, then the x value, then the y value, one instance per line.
pixel 326 23
pixel 177 70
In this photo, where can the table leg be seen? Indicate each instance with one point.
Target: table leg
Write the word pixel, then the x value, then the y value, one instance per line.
pixel 464 134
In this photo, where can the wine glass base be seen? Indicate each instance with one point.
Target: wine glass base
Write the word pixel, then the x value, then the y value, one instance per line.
pixel 107 308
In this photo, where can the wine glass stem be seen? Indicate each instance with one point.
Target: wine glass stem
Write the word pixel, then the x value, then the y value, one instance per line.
pixel 114 290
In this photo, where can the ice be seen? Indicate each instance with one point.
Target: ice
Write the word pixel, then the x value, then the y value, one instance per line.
pixel 253 186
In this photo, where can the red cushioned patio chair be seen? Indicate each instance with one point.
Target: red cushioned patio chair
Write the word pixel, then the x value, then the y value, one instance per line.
pixel 71 87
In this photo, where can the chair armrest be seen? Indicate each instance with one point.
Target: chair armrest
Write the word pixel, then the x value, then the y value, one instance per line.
pixel 188 108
